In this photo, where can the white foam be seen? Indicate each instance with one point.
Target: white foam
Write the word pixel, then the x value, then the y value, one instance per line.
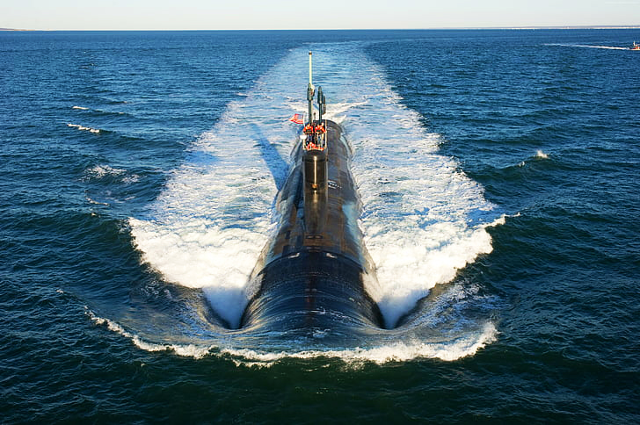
pixel 83 128
pixel 80 107
pixel 102 170
pixel 94 202
pixel 423 218
pixel 398 351
pixel 541 155
pixel 134 178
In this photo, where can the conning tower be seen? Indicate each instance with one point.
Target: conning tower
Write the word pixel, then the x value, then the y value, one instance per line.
pixel 315 160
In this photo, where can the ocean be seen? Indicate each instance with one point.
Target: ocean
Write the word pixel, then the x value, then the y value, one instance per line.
pixel 497 171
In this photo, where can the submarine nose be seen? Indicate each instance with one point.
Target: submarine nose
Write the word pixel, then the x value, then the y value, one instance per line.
pixel 309 290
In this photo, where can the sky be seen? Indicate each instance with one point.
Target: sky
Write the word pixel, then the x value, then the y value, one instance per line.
pixel 325 14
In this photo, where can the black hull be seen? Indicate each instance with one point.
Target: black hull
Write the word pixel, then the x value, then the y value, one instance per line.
pixel 311 290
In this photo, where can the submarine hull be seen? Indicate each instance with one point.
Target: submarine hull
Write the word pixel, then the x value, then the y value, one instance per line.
pixel 316 271
pixel 312 290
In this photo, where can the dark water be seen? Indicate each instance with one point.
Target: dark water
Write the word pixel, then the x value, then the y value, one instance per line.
pixel 547 126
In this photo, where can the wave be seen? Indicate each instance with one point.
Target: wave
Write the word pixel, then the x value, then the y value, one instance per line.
pixel 423 219
pixel 83 128
pixel 102 171
pixel 541 155
pixel 190 350
pixel 100 112
pixel 397 351
pixel 94 202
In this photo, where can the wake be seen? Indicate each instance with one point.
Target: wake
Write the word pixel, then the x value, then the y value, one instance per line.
pixel 423 219
pixel 588 46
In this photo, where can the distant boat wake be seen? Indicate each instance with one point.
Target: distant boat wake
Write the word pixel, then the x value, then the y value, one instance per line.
pixel 588 46
pixel 423 220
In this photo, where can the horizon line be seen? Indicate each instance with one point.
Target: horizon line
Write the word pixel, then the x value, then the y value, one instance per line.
pixel 521 27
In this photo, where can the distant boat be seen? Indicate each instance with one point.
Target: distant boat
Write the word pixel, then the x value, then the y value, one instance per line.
pixel 635 46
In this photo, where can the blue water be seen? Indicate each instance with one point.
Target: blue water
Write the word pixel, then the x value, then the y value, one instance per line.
pixel 498 174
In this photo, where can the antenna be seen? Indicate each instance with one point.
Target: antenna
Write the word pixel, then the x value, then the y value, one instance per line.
pixel 322 106
pixel 310 89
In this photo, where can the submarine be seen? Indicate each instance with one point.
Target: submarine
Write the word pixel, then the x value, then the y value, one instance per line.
pixel 315 272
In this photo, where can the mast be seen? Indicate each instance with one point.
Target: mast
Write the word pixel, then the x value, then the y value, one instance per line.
pixel 315 169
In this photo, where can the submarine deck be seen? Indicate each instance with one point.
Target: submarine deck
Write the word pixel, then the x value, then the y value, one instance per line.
pixel 324 220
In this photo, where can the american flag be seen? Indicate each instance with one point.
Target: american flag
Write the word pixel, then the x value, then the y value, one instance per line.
pixel 297 118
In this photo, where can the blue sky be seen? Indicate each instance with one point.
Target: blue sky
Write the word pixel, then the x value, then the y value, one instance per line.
pixel 280 14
